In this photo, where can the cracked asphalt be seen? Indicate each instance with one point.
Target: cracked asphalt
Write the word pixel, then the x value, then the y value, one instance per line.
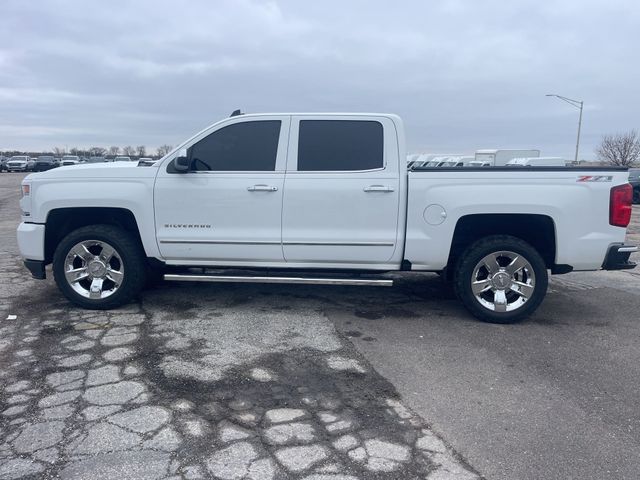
pixel 194 381
pixel 256 382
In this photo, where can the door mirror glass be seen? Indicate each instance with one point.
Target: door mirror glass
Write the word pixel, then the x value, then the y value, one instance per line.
pixel 181 162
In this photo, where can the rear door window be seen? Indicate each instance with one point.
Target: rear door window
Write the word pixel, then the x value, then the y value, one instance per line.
pixel 340 145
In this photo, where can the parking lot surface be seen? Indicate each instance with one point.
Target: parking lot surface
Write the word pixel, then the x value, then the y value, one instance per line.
pixel 232 382
pixel 270 381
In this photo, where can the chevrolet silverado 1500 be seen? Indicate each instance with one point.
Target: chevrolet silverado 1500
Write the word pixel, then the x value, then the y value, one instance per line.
pixel 320 198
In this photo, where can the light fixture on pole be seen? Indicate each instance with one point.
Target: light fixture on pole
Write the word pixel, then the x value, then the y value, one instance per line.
pixel 575 103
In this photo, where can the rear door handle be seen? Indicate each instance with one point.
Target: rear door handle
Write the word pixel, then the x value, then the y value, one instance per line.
pixel 378 188
pixel 262 188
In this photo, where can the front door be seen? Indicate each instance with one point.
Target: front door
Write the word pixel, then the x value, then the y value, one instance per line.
pixel 227 209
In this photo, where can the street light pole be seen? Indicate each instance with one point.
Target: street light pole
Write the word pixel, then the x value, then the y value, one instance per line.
pixel 574 103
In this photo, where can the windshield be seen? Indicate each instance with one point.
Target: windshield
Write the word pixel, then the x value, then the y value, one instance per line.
pixel 45 158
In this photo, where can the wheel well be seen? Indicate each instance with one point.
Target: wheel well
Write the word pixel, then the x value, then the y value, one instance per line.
pixel 537 230
pixel 61 221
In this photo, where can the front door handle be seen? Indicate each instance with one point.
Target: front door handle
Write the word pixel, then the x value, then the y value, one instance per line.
pixel 262 188
pixel 378 188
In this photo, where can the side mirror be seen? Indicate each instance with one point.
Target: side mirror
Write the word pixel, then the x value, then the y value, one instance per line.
pixel 181 162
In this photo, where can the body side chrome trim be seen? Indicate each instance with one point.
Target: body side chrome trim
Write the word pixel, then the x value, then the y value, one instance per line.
pixel 259 242
pixel 220 242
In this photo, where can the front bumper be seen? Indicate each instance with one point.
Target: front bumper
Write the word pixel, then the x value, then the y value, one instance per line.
pixel 31 240
pixel 617 257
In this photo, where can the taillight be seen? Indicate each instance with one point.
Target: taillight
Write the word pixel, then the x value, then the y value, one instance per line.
pixel 620 205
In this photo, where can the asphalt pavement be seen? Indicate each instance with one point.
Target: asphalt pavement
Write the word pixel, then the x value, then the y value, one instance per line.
pixel 318 382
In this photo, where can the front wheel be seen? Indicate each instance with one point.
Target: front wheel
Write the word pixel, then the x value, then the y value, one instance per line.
pixel 501 279
pixel 99 267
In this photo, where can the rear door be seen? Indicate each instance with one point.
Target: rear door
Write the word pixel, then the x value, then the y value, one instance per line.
pixel 227 209
pixel 342 188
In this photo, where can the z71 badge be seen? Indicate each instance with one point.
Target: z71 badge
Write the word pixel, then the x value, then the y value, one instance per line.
pixel 594 178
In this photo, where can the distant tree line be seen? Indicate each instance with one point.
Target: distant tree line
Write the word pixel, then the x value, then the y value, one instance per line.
pixel 113 151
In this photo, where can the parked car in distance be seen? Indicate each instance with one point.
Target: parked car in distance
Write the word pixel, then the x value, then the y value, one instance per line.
pixel 122 159
pixel 70 160
pixel 634 180
pixel 147 161
pixel 537 162
pixel 45 162
pixel 96 160
pixel 479 163
pixel 3 163
pixel 18 163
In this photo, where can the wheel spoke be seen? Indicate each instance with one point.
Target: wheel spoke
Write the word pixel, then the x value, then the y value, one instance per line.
pixel 480 286
pixel 83 252
pixel 523 289
pixel 115 276
pixel 500 301
pixel 107 252
pixel 95 291
pixel 491 263
pixel 516 264
pixel 76 275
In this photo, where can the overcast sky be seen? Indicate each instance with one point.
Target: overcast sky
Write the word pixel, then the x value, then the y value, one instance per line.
pixel 464 74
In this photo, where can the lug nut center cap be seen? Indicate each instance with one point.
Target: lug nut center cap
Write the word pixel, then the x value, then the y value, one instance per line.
pixel 97 268
pixel 501 280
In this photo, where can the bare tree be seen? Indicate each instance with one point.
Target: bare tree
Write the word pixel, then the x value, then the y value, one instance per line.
pixel 129 150
pixel 162 150
pixel 142 150
pixel 97 151
pixel 622 149
pixel 59 151
pixel 114 151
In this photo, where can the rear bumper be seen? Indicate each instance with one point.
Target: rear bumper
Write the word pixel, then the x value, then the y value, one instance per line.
pixel 617 257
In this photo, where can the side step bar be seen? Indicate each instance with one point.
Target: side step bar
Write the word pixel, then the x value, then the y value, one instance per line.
pixel 299 280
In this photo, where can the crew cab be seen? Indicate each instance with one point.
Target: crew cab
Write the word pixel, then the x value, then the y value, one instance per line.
pixel 320 198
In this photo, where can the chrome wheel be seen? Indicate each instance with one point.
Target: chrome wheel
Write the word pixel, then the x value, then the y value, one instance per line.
pixel 94 269
pixel 503 281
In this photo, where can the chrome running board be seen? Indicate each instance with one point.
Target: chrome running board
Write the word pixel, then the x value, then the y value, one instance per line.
pixel 386 282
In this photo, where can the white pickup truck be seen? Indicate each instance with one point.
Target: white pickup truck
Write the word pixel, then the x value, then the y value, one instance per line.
pixel 320 198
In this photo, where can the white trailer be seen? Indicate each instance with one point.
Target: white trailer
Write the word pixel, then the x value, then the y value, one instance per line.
pixel 499 158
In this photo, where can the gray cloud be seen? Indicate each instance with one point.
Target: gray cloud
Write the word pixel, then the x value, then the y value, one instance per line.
pixel 463 74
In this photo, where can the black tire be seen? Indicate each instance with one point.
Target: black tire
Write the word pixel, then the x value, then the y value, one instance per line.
pixel 475 253
pixel 128 249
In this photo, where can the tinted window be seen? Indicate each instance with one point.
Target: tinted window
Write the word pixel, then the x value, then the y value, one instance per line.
pixel 246 146
pixel 329 145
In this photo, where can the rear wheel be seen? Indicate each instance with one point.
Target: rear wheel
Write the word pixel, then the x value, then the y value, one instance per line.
pixel 501 279
pixel 99 267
